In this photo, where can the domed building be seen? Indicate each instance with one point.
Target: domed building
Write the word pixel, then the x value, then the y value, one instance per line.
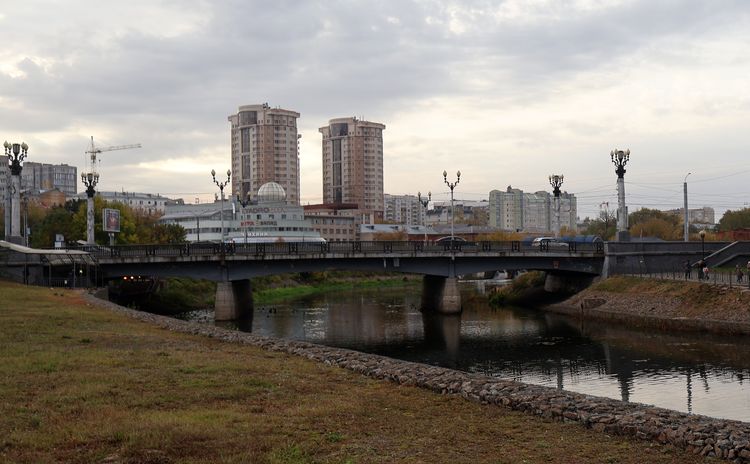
pixel 271 192
pixel 269 220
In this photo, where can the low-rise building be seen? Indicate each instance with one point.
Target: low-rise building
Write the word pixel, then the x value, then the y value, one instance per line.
pixel 270 220
pixel 338 221
pixel 149 203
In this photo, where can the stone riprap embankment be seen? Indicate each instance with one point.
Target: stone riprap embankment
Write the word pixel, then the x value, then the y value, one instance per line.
pixel 698 434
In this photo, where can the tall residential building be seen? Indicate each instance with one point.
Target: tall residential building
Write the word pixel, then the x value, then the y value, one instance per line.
pixel 514 210
pixel 353 163
pixel 265 148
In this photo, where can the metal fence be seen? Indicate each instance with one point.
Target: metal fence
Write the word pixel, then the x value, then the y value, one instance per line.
pixel 725 277
pixel 306 248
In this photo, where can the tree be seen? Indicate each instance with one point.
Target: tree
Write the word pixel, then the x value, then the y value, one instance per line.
pixel 605 226
pixel 56 221
pixel 733 220
pixel 128 229
pixel 654 223
pixel 163 234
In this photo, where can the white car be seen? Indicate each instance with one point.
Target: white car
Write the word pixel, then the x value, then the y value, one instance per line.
pixel 549 243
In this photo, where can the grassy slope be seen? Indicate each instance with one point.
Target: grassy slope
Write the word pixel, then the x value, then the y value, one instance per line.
pixel 82 384
pixel 681 299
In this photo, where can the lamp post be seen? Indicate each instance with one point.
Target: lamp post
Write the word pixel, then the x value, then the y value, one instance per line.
pixel 556 181
pixel 424 204
pixel 684 191
pixel 620 159
pixel 16 153
pixel 90 179
pixel 702 233
pixel 452 186
pixel 221 186
pixel 244 205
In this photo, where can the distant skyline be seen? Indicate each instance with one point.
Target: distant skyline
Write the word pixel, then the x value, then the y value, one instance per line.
pixel 508 92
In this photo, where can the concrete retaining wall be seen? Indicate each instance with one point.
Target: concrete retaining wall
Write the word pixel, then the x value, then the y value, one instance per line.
pixel 698 434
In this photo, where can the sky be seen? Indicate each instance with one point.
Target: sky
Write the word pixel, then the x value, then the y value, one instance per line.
pixel 507 92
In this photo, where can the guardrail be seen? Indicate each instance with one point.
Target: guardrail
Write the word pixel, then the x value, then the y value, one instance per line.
pixel 723 277
pixel 306 248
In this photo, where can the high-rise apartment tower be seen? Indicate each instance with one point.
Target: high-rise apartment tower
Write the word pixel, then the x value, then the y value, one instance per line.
pixel 353 163
pixel 265 148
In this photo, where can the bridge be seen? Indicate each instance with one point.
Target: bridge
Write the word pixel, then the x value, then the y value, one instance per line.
pixel 232 265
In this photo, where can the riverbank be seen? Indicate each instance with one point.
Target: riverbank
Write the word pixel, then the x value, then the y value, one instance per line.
pixel 84 380
pixel 284 292
pixel 663 304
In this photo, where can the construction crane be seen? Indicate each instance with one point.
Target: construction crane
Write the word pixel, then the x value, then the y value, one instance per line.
pixel 94 150
pixel 90 179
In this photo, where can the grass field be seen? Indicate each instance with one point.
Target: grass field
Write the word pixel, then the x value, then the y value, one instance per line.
pixel 83 384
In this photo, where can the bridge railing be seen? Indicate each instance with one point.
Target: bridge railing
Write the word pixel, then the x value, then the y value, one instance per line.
pixel 361 247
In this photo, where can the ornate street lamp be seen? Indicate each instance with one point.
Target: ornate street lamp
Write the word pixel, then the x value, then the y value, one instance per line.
pixel 556 181
pixel 620 159
pixel 221 186
pixel 452 186
pixel 16 152
pixel 424 203
pixel 244 204
pixel 90 179
pixel 687 219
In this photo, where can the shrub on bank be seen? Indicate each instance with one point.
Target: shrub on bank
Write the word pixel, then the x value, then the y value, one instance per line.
pixel 520 290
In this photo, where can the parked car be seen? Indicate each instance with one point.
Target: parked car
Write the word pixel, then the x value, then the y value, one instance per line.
pixel 549 243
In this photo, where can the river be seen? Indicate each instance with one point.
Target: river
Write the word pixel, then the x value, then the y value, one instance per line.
pixel 695 373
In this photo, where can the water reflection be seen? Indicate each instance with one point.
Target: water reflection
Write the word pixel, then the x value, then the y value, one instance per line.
pixel 693 373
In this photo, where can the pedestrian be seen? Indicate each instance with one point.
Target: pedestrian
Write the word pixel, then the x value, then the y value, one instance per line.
pixel 688 269
pixel 705 272
pixel 701 265
pixel 740 275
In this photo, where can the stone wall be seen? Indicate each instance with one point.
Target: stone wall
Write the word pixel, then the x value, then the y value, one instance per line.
pixel 697 434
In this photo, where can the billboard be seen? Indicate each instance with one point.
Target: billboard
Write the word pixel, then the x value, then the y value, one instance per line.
pixel 111 220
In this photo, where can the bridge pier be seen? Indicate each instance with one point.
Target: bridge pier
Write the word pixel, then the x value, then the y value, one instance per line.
pixel 234 300
pixel 441 295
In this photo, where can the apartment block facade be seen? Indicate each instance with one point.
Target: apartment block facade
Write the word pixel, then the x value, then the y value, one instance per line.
pixel 265 148
pixel 403 209
pixel 517 211
pixel 37 177
pixel 704 215
pixel 353 163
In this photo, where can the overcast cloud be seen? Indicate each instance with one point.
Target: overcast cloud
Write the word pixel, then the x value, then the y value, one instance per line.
pixel 508 91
